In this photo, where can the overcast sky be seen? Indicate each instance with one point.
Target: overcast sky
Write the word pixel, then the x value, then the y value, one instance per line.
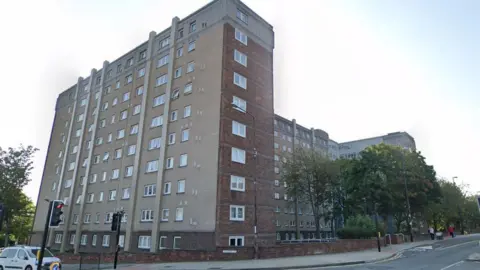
pixel 352 68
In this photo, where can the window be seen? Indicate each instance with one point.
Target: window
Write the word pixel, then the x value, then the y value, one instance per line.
pixel 128 171
pixel 178 73
pixel 188 88
pixel 159 100
pixel 121 134
pixel 96 159
pixel 191 46
pixel 193 26
pixel 112 195
pixel 167 188
pixel 163 240
pixel 150 190
pixel 136 109
pixel 71 166
pixel 139 90
pixel 179 52
pixel 123 115
pixel 91 197
pixel 60 154
pixel 100 196
pixel 240 36
pixel 105 106
pixel 147 215
pixel 93 178
pixel 162 61
pixel 162 80
pixel 237 213
pixel 276 145
pixel 80 117
pixel 173 116
pixel 103 123
pixel 240 80
pixel 175 94
pixel 144 242
pixel 239 129
pixel 171 138
pixel 72 239
pixel 117 85
pixel 277 183
pixel 108 89
pixel 131 150
pixel 94 240
pixel 68 183
pixel 112 121
pixel 83 102
pixel 190 67
pixel 176 242
pixel 152 166
pixel 143 54
pixel 126 96
pixel 285 197
pixel 157 121
pixel 277 196
pixel 78 133
pixel 236 241
pixel 87 218
pixel 238 155
pixel 240 104
pixel 75 149
pixel 154 143
pixel 115 174
pixel 141 72
pixel 54 186
pixel 185 135
pixel 277 170
pixel 179 214
pixel 237 183
pixel 164 43
pixel 181 186
pixel 134 129
pixel 121 240
pixel 183 160
pixel 165 214
pixel 99 141
pixel 106 241
pixel 170 162
pixel 240 58
pixel 125 193
pixel 130 62
pixel 58 238
pixel 106 155
pixel 242 16
pixel 128 79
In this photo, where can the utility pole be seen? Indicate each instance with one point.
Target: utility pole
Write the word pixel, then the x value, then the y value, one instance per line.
pixel 409 217
pixel 116 225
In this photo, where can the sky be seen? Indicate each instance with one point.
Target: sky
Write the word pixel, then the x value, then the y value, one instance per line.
pixel 352 68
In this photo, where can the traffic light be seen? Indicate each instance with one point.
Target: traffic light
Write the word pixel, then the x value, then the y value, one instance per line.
pixel 1 215
pixel 115 221
pixel 56 214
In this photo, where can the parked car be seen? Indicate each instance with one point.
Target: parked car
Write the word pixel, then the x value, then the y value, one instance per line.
pixel 25 257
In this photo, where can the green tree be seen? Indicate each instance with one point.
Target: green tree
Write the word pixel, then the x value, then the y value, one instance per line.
pixel 310 178
pixel 15 169
pixel 21 223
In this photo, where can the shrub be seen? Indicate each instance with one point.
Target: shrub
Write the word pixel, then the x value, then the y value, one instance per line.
pixel 359 227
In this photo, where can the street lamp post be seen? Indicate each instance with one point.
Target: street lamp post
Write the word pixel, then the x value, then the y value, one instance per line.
pixel 255 153
pixel 458 208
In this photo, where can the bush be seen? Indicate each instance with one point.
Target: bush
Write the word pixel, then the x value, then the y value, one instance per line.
pixel 359 227
pixel 355 233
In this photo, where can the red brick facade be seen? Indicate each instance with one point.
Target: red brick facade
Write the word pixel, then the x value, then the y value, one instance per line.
pixel 259 122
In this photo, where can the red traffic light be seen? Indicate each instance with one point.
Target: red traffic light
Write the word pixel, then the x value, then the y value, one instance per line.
pixel 60 206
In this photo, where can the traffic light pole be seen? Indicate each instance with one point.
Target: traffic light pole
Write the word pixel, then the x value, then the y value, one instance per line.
pixel 118 220
pixel 44 239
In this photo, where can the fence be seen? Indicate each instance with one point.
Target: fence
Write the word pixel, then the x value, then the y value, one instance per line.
pixel 92 261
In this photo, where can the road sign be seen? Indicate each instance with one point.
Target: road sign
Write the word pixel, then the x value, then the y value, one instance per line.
pixel 478 202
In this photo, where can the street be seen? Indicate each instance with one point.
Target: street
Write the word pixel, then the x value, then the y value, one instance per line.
pixel 442 255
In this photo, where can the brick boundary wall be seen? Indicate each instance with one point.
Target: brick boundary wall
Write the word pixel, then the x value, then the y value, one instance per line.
pixel 225 254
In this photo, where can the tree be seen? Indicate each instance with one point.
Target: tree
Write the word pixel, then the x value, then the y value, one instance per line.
pixel 310 178
pixel 22 222
pixel 15 170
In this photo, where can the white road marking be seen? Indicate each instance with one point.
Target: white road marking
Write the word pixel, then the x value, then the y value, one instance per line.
pixel 452 265
pixel 457 245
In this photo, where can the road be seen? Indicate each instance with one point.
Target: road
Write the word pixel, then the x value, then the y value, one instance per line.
pixel 444 255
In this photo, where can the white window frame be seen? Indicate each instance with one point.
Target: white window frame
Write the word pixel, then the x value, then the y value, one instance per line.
pixel 144 242
pixel 185 135
pixel 237 183
pixel 240 58
pixel 183 160
pixel 165 214
pixel 191 66
pixel 188 88
pixel 149 190
pixel 128 171
pixel 240 104
pixel 167 188
pixel 161 80
pixel 239 129
pixel 159 100
pixel 236 238
pixel 187 111
pixel 240 36
pixel 170 163
pixel 132 149
pixel 156 121
pixel 152 166
pixel 235 212
pixel 146 215
pixel 106 240
pixel 179 214
pixel 154 143
pixel 239 155
pixel 240 80
pixel 181 186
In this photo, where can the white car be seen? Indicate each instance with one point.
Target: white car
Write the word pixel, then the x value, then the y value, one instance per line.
pixel 25 258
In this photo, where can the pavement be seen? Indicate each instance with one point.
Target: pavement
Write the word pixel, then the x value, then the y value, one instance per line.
pixel 423 255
